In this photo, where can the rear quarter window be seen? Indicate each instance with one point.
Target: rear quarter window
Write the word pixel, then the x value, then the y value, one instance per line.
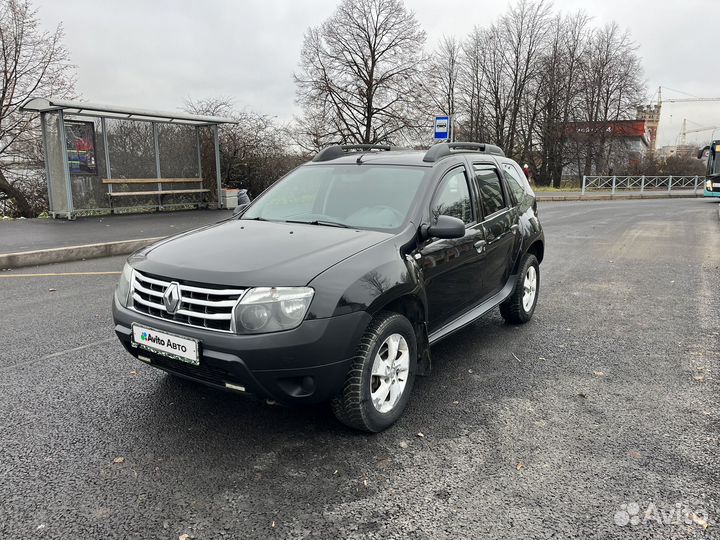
pixel 518 184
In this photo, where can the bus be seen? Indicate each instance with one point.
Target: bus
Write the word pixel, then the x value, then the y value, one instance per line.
pixel 712 175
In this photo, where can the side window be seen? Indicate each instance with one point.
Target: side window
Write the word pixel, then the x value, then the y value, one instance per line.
pixel 492 198
pixel 453 197
pixel 516 185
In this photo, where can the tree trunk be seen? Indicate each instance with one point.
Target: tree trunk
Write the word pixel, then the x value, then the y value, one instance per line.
pixel 21 203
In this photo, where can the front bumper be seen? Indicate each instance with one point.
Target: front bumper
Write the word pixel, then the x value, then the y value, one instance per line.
pixel 304 365
pixel 707 193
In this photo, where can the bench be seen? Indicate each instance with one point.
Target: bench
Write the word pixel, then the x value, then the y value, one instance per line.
pixel 159 192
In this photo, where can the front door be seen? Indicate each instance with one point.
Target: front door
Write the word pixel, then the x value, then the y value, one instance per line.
pixel 451 267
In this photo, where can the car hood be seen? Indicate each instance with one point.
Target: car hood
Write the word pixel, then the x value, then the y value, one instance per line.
pixel 254 253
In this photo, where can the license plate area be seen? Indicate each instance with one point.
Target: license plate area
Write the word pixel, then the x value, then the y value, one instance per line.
pixel 167 344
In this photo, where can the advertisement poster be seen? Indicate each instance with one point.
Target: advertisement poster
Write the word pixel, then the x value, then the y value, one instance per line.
pixel 80 140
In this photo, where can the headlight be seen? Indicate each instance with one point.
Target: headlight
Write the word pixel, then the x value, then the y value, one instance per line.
pixel 122 291
pixel 708 185
pixel 271 309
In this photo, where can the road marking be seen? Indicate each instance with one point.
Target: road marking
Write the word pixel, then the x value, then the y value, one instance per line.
pixel 59 353
pixel 60 274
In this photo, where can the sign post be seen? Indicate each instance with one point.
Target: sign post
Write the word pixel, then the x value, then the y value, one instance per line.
pixel 442 128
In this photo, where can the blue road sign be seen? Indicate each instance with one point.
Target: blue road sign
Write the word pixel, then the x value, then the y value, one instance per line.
pixel 442 128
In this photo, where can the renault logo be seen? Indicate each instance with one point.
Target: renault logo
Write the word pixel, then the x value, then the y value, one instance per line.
pixel 171 298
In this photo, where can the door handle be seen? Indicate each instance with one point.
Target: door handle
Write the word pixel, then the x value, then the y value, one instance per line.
pixel 480 246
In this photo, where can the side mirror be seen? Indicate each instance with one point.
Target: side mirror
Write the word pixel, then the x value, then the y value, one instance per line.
pixel 240 208
pixel 444 227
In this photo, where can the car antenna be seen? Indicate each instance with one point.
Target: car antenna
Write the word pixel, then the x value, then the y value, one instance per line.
pixel 359 159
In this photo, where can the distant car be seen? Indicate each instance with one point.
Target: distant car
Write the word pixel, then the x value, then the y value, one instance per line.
pixel 334 282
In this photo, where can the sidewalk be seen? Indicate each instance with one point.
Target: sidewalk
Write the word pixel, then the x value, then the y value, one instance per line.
pixel 32 234
pixel 618 195
pixel 25 242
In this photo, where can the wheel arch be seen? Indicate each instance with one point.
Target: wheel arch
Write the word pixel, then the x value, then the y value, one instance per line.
pixel 412 307
pixel 537 248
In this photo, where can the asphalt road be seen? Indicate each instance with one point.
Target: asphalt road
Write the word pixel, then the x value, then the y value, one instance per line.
pixel 608 397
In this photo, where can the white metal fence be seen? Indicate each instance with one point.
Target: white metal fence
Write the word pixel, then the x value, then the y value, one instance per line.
pixel 642 183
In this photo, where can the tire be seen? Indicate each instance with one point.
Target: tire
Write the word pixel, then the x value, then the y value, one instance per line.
pixel 354 406
pixel 516 309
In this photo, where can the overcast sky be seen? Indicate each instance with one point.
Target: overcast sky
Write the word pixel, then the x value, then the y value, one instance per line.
pixel 157 53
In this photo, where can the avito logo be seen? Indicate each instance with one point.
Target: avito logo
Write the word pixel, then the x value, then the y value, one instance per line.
pixel 157 340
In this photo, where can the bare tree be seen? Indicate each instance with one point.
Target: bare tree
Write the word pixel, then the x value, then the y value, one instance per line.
pixel 558 90
pixel 471 84
pixel 360 65
pixel 254 151
pixel 438 81
pixel 514 44
pixel 315 128
pixel 611 88
pixel 34 62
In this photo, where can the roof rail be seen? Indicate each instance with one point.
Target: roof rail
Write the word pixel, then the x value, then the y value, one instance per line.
pixel 333 152
pixel 441 150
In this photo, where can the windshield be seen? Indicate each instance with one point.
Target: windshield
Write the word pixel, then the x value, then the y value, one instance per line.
pixel 357 196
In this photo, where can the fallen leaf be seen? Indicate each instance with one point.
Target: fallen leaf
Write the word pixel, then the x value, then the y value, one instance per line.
pixel 383 463
pixel 273 524
pixel 184 537
pixel 634 454
pixel 470 370
pixel 520 466
pixel 119 460
pixel 541 358
pixel 456 402
pixel 420 434
pixel 133 372
pixel 699 377
pixel 599 373
pixel 365 482
pixel 707 413
pixel 698 520
pixel 403 444
pixel 52 290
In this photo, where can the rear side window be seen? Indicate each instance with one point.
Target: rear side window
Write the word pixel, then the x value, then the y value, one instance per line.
pixel 453 197
pixel 492 198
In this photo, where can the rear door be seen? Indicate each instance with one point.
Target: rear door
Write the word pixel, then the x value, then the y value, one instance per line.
pixel 453 276
pixel 499 226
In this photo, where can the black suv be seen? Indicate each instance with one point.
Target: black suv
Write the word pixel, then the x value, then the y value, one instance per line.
pixel 334 282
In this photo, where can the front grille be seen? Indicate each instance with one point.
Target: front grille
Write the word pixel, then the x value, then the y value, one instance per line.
pixel 203 306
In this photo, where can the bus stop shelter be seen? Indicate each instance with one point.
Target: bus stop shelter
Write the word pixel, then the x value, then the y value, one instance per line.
pixel 101 158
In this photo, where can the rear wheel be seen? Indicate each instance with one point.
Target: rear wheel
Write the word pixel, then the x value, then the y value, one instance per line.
pixel 520 306
pixel 378 385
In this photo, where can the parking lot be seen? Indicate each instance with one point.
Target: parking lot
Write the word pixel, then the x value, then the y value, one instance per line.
pixel 608 397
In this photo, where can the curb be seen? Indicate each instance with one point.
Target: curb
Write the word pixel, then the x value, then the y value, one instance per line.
pixel 610 197
pixel 73 253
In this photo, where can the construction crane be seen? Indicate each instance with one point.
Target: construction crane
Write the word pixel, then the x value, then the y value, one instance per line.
pixel 692 99
pixel 684 131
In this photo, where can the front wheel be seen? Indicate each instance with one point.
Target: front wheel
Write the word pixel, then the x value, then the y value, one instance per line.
pixel 378 385
pixel 520 306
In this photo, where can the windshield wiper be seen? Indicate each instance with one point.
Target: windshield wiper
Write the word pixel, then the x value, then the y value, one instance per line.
pixel 319 222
